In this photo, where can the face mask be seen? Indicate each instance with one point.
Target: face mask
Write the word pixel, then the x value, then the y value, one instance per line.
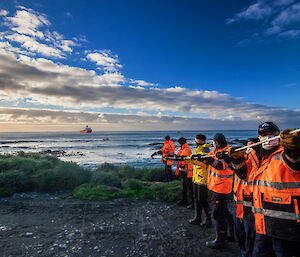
pixel 271 144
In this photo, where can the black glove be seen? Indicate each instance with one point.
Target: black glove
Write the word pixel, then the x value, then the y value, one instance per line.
pixel 180 158
pixel 223 156
pixel 208 160
pixel 237 157
pixel 197 157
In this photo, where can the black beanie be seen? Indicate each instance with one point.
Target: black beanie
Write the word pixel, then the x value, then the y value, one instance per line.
pixel 221 139
pixel 182 140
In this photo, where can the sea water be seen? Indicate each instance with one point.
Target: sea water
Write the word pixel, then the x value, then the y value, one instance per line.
pixel 121 148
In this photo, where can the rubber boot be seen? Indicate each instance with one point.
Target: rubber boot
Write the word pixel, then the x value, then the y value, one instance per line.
pixel 198 214
pixel 207 223
pixel 219 242
pixel 230 236
pixel 182 202
pixel 191 207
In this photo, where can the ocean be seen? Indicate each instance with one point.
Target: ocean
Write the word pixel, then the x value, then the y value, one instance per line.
pixel 121 148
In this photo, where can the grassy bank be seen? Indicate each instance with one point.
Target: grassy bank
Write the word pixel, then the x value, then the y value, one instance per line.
pixel 41 173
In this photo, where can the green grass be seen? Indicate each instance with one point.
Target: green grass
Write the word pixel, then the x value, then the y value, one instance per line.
pixel 41 173
pixel 34 172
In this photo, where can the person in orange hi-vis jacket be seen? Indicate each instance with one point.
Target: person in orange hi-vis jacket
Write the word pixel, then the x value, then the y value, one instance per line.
pixel 220 182
pixel 185 171
pixel 275 188
pixel 166 150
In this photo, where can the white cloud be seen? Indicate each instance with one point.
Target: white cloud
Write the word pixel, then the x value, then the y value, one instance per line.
pixel 278 19
pixel 28 22
pixel 13 119
pixel 287 16
pixel 3 12
pixel 257 11
pixel 31 30
pixel 35 47
pixel 142 83
pixel 105 59
pixel 290 34
pixel 40 82
pixel 48 83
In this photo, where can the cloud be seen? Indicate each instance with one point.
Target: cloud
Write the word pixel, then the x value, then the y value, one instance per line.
pixel 42 83
pixel 278 20
pixel 49 120
pixel 29 29
pixel 290 15
pixel 105 59
pixel 142 83
pixel 3 12
pixel 28 22
pixel 257 11
pixel 48 83
pixel 33 46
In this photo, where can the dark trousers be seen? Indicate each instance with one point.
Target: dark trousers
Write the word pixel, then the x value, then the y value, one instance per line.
pixel 265 246
pixel 187 189
pixel 244 233
pixel 200 201
pixel 168 172
pixel 220 212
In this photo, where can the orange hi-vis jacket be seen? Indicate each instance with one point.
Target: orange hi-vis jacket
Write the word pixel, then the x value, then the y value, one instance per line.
pixel 168 149
pixel 184 150
pixel 242 188
pixel 276 198
pixel 220 181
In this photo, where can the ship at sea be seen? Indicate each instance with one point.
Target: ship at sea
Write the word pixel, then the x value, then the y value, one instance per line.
pixel 86 130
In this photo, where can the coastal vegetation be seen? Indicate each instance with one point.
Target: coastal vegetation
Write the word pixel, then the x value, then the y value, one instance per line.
pixel 43 173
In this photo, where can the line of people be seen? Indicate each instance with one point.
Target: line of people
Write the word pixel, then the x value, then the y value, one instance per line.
pixel 265 182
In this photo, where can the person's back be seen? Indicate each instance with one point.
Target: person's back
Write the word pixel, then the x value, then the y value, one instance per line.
pixel 167 150
pixel 185 171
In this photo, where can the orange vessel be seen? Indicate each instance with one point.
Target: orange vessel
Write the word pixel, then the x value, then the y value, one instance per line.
pixel 87 130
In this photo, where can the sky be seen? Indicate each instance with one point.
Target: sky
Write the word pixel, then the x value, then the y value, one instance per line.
pixel 148 65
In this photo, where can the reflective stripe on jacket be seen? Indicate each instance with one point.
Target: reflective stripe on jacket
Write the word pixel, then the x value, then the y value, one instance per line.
pixel 184 150
pixel 276 199
pixel 242 188
pixel 220 181
pixel 167 149
pixel 200 171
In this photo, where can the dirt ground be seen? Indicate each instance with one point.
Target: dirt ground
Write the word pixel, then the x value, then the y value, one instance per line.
pixel 49 226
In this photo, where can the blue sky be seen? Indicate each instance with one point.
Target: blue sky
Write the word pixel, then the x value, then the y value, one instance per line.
pixel 134 65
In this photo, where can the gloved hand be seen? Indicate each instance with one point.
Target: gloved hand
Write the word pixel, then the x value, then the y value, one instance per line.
pixel 223 156
pixel 236 157
pixel 197 157
pixel 180 158
pixel 290 141
pixel 169 157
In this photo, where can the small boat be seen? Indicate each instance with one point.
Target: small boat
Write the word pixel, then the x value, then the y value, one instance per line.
pixel 86 130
